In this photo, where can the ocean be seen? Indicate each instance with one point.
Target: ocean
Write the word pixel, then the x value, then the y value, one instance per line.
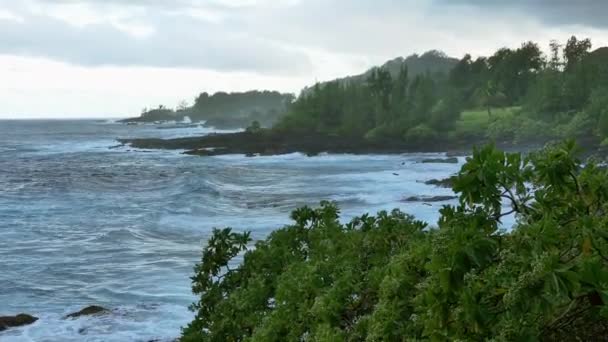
pixel 84 222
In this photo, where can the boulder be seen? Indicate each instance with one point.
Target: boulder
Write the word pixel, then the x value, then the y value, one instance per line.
pixel 16 321
pixel 450 160
pixel 88 311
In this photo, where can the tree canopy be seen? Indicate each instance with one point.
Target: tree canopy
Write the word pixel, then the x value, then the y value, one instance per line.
pixel 226 110
pixel 555 94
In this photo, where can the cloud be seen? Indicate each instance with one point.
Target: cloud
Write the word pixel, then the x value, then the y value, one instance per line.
pixel 270 36
pixel 589 13
pixel 97 33
pixel 142 52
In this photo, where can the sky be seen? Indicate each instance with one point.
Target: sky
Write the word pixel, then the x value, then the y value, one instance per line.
pixel 111 58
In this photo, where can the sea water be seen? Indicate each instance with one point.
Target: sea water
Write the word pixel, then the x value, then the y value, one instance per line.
pixel 85 222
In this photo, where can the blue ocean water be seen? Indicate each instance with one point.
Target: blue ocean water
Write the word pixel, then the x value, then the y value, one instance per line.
pixel 83 222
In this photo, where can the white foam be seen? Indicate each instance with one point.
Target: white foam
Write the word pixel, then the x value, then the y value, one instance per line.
pixel 127 323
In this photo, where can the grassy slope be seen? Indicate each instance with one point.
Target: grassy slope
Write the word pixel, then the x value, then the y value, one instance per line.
pixel 475 122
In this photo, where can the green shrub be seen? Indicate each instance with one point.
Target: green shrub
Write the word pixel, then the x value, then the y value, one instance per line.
pixel 254 127
pixel 580 125
pixel 420 134
pixel 503 128
pixel 382 133
pixel 531 131
pixel 390 278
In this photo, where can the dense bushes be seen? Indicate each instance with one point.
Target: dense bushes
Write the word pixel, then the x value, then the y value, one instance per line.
pixel 390 277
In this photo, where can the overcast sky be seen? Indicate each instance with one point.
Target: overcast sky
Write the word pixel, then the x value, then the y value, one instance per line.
pixel 110 58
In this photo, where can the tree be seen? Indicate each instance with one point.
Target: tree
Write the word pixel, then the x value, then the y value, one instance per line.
pixel 575 50
pixel 255 127
pixel 182 106
pixel 489 96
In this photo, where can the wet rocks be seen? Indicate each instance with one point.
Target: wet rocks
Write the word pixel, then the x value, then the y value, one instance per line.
pixel 449 160
pixel 16 321
pixel 428 199
pixel 442 183
pixel 271 142
pixel 89 311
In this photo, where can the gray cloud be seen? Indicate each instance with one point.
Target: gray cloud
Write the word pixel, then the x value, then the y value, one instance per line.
pixel 177 40
pixel 590 13
pixel 275 36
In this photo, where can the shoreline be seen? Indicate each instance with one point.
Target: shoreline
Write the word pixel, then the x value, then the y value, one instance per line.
pixel 269 143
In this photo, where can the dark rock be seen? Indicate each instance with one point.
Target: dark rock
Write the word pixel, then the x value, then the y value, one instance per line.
pixel 276 143
pixel 16 321
pixel 455 154
pixel 450 160
pixel 442 183
pixel 429 198
pixel 88 311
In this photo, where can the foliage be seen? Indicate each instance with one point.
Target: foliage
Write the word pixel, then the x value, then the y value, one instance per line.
pixel 598 109
pixel 552 91
pixel 254 127
pixel 579 125
pixel 390 278
pixel 419 134
pixel 227 110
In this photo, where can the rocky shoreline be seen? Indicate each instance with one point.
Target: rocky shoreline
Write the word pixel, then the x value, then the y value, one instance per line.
pixel 275 143
pixel 270 142
pixel 21 320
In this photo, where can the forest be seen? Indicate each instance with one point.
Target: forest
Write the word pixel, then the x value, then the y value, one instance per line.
pixel 515 96
pixel 390 277
pixel 224 110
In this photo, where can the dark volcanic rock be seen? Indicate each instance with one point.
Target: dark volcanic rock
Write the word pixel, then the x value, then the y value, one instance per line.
pixel 88 311
pixel 442 183
pixel 450 160
pixel 268 142
pixel 16 321
pixel 429 198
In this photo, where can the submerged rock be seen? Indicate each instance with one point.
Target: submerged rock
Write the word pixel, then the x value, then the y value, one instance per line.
pixel 16 321
pixel 442 183
pixel 429 198
pixel 450 160
pixel 88 311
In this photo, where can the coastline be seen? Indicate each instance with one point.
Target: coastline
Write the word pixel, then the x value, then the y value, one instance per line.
pixel 267 143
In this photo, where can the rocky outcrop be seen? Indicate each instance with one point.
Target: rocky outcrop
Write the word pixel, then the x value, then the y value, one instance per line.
pixel 268 142
pixel 16 321
pixel 450 160
pixel 442 183
pixel 429 198
pixel 89 311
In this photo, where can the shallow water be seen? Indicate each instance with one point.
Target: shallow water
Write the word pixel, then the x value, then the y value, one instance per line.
pixel 82 223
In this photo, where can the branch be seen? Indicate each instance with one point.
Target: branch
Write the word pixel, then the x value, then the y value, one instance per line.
pixel 498 217
pixel 580 192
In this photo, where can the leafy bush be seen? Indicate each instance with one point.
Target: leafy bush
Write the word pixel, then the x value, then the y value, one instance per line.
pixel 581 124
pixel 254 127
pixel 420 134
pixel 503 128
pixel 390 278
pixel 382 132
pixel 529 130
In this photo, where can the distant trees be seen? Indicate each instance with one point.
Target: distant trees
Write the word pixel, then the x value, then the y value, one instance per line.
pixel 227 110
pixel 391 101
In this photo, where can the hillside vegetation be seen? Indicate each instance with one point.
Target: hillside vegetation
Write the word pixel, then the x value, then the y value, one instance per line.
pixel 390 277
pixel 225 110
pixel 547 97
